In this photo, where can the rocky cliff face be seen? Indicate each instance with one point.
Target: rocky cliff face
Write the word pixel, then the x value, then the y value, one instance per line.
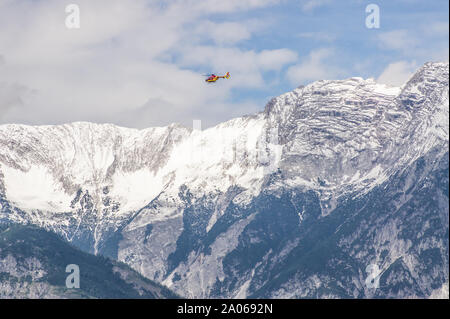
pixel 295 201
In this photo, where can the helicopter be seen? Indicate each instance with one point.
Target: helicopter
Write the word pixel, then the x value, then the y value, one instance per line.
pixel 213 78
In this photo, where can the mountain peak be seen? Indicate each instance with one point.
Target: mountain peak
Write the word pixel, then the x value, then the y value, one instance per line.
pixel 319 126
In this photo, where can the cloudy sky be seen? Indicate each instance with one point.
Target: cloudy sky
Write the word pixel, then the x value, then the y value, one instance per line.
pixel 140 63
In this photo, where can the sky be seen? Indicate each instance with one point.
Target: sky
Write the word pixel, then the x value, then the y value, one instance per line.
pixel 141 63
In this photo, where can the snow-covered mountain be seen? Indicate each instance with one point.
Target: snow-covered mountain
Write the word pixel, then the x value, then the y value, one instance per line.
pixel 295 201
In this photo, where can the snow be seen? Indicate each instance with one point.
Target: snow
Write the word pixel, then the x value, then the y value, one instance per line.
pixel 34 189
pixel 440 293
pixel 137 165
pixel 136 189
pixel 387 89
pixel 213 159
pixel 242 293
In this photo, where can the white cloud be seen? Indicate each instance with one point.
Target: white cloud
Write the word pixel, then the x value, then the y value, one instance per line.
pixel 120 65
pixel 397 73
pixel 139 63
pixel 318 36
pixel 311 5
pixel 12 95
pixel 275 59
pixel 224 33
pixel 424 43
pixel 221 6
pixel 245 66
pixel 314 67
pixel 437 28
pixel 397 40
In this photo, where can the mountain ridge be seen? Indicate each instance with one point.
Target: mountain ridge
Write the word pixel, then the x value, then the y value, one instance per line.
pixel 33 265
pixel 123 192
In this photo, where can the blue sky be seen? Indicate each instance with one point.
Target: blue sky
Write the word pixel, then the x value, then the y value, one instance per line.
pixel 140 63
pixel 339 26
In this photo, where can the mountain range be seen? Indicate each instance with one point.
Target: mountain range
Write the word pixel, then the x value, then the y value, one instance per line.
pixel 300 200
